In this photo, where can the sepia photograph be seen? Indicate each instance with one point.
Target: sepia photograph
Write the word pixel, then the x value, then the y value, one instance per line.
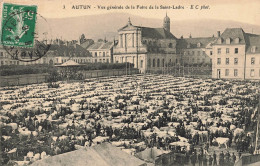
pixel 129 83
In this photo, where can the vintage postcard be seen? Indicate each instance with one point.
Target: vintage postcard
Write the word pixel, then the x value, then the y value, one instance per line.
pixel 130 83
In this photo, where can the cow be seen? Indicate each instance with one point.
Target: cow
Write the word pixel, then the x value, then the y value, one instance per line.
pixel 221 141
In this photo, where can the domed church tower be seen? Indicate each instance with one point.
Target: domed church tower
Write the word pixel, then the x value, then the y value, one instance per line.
pixel 166 23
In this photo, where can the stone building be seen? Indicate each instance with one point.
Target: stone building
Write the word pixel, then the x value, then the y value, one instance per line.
pixel 149 49
pixel 58 53
pixel 101 52
pixel 196 51
pixel 236 55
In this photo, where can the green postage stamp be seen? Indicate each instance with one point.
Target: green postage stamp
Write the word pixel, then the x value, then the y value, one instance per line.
pixel 18 25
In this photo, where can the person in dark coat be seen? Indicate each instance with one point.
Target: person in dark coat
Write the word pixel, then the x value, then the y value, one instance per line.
pixel 227 155
pixel 221 158
pixel 205 160
pixel 214 158
pixel 193 159
pixel 210 160
pixel 200 159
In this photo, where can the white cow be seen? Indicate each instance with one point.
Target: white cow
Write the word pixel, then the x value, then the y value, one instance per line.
pixel 43 155
pixel 13 125
pixel 221 141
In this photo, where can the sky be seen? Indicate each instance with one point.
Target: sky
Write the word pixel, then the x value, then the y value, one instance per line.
pixel 247 11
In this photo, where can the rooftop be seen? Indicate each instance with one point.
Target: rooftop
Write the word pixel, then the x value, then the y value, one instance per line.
pixel 100 155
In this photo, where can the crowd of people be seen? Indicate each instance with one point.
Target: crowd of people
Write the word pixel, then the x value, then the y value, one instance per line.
pixel 132 112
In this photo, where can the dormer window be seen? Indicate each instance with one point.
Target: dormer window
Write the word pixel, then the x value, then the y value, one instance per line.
pixel 198 45
pixel 237 40
pixel 253 49
pixel 170 45
pixel 220 41
pixel 228 41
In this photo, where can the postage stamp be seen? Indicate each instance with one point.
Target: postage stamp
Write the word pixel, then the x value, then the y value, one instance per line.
pixel 18 25
pixel 21 30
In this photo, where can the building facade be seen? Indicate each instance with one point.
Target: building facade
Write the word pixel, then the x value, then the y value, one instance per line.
pixel 196 51
pixel 236 55
pixel 101 52
pixel 149 49
pixel 58 53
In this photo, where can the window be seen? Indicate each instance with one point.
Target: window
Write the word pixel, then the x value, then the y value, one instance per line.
pixel 220 41
pixel 203 52
pixel 149 63
pixel 163 63
pixel 95 54
pixel 158 62
pixel 198 60
pixel 153 62
pixel 237 40
pixel 192 59
pixel 228 41
pixel 104 54
pixel 142 63
pixel 252 61
pixel 227 61
pixel 219 50
pixel 227 72
pixel 235 72
pixel 192 52
pixel 235 61
pixel 198 52
pixel 188 52
pixel 170 45
pixel 227 50
pixel 211 53
pixel 1 54
pixel 107 60
pixel 236 50
pixel 95 60
pixel 252 73
pixel 219 61
pixel 253 49
pixel 203 60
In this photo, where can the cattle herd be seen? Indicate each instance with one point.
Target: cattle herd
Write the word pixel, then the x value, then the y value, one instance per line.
pixel 132 112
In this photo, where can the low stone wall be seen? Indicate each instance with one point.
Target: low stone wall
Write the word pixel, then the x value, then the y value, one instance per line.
pixel 16 80
pixel 26 79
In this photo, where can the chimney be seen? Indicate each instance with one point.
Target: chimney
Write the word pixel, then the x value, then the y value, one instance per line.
pixel 190 35
pixel 218 33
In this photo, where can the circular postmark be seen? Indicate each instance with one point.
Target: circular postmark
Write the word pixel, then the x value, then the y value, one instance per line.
pixel 25 34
